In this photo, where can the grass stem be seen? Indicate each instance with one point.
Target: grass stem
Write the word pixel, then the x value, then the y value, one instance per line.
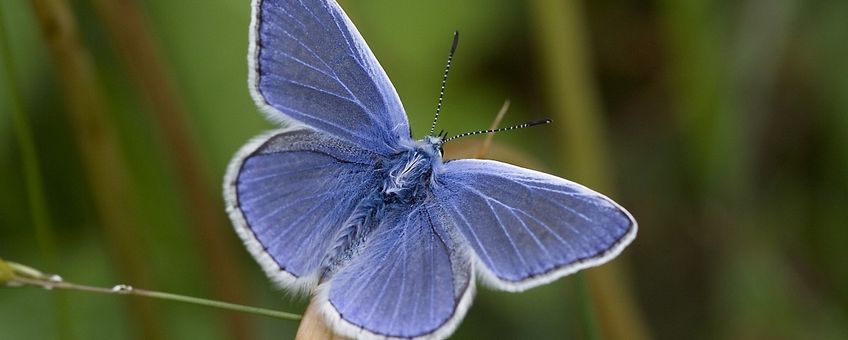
pixel 573 99
pixel 31 167
pixel 130 33
pixel 106 170
pixel 25 276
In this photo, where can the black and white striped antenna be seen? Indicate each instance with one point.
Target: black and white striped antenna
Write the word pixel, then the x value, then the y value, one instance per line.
pixel 445 81
pixel 519 126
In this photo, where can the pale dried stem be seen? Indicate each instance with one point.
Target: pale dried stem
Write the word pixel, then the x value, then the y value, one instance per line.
pixel 487 143
pixel 313 327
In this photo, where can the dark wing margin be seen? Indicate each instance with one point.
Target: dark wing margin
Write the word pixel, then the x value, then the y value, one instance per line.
pixel 309 64
pixel 527 228
pixel 286 191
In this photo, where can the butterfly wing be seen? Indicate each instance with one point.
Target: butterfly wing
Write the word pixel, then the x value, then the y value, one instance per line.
pixel 526 227
pixel 288 193
pixel 309 64
pixel 410 280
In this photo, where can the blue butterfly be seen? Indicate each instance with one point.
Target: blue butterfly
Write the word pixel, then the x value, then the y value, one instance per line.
pixel 344 203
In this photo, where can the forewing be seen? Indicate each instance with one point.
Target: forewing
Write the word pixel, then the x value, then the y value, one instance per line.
pixel 527 227
pixel 309 63
pixel 289 192
pixel 410 280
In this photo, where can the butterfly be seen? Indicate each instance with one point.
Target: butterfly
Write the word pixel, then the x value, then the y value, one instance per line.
pixel 344 203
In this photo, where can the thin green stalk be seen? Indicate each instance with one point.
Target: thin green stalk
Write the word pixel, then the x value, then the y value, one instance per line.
pixel 216 304
pixel 587 312
pixel 44 234
pixel 13 274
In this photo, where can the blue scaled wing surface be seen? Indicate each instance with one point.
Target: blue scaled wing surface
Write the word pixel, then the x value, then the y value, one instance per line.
pixel 411 280
pixel 526 227
pixel 308 64
pixel 289 192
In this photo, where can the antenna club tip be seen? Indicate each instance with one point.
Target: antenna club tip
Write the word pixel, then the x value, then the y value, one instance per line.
pixel 455 41
pixel 540 122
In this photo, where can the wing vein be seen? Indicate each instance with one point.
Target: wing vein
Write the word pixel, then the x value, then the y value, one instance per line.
pixel 500 223
pixel 474 234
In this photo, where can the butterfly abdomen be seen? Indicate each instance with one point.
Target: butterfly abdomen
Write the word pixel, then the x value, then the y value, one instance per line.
pixel 352 235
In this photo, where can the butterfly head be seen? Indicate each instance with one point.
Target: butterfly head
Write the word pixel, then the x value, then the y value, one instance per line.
pixel 434 144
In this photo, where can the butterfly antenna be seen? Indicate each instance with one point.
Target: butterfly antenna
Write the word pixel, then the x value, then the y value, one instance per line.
pixel 445 81
pixel 519 126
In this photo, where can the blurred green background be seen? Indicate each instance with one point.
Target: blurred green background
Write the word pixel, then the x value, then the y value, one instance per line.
pixel 721 125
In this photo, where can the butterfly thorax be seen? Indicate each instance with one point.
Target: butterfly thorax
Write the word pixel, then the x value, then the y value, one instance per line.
pixel 406 180
pixel 408 174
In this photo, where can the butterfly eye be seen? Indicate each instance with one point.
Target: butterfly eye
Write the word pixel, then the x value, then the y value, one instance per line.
pixel 441 151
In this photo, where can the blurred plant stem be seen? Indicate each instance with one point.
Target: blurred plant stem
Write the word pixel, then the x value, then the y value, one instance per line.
pixel 830 232
pixel 572 96
pixel 31 168
pixel 720 103
pixel 104 164
pixel 722 106
pixel 14 275
pixel 711 132
pixel 126 25
pixel 584 305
